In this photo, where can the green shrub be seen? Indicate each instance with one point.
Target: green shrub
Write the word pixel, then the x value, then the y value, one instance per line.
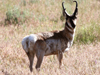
pixel 16 16
pixel 33 1
pixel 88 35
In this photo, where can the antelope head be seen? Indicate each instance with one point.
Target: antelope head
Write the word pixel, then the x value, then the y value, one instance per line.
pixel 70 19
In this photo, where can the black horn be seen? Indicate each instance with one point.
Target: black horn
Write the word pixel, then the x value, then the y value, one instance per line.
pixel 76 10
pixel 64 10
pixel 63 5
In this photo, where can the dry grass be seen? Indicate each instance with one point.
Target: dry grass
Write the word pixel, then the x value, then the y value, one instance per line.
pixel 79 60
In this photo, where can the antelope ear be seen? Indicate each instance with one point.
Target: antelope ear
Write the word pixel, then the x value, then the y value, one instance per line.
pixel 65 14
pixel 74 16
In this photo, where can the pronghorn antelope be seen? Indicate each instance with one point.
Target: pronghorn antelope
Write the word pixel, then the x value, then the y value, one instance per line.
pixel 51 43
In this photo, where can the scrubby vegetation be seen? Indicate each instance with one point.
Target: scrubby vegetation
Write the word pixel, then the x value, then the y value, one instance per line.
pixel 19 18
pixel 16 16
pixel 48 13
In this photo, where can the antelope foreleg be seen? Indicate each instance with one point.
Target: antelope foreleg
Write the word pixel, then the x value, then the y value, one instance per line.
pixel 60 57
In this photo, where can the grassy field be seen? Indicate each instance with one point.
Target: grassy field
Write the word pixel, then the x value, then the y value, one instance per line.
pixel 35 16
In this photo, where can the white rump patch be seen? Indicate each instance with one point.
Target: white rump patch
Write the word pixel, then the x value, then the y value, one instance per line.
pixel 28 42
pixel 24 45
pixel 32 39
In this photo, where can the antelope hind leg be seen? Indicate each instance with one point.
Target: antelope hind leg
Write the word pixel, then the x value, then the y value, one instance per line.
pixel 39 59
pixel 31 58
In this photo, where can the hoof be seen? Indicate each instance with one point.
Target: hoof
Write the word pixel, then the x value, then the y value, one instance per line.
pixel 31 69
pixel 38 69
